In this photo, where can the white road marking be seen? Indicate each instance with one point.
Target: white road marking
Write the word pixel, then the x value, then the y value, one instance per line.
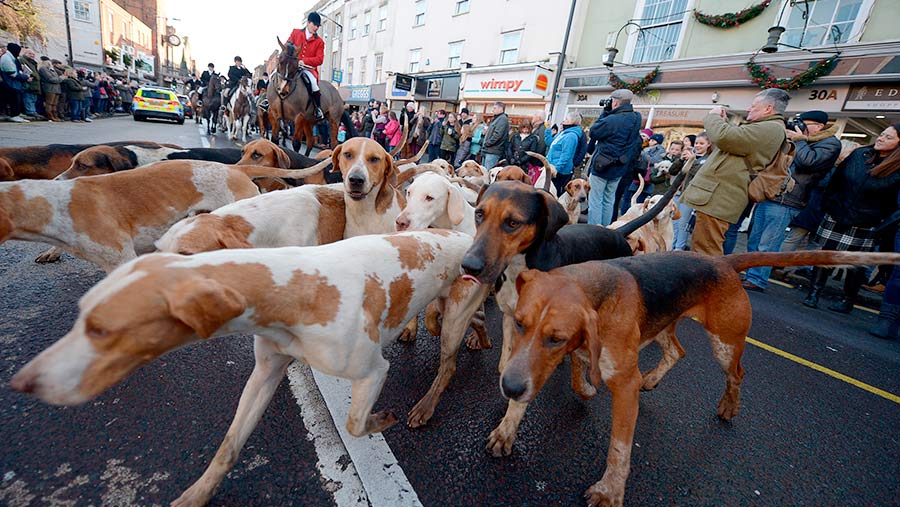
pixel 339 475
pixel 203 140
pixel 384 481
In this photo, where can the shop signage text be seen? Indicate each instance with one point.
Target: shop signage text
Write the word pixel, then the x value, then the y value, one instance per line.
pixel 500 84
pixel 873 97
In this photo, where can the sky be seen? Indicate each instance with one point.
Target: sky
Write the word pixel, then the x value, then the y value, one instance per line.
pixel 219 31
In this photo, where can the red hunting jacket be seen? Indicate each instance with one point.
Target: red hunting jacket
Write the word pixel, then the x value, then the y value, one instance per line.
pixel 311 51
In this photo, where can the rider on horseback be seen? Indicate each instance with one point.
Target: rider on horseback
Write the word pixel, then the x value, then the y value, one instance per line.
pixel 311 54
pixel 206 76
pixel 235 73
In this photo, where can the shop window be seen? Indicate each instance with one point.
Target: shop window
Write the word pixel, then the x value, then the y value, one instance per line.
pixel 509 48
pixel 367 22
pixel 420 13
pixel 82 11
pixel 462 7
pixel 382 17
pixel 824 22
pixel 414 56
pixel 379 64
pixel 353 27
pixel 455 52
pixel 661 26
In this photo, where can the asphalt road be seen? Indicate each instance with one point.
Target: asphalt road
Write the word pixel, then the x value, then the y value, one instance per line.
pixel 803 437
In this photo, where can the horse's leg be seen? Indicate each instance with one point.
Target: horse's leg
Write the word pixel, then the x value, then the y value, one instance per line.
pixel 334 131
pixel 299 132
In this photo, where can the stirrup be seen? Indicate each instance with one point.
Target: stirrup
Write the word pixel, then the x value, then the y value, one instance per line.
pixel 319 114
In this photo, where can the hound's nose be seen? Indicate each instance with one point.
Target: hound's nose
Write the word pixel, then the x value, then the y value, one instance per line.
pixel 473 265
pixel 402 223
pixel 512 389
pixel 23 383
pixel 356 180
pixel 582 198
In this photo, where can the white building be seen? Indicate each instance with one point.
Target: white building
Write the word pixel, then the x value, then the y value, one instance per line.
pixel 131 39
pixel 84 27
pixel 461 53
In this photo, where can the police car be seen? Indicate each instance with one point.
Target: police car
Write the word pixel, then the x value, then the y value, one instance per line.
pixel 153 102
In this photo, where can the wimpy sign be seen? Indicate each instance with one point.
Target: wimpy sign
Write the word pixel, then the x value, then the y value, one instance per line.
pixel 500 85
pixel 509 85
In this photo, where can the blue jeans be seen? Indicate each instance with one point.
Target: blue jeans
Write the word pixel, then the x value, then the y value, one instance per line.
pixel 31 103
pixel 601 200
pixel 767 230
pixel 682 226
pixel 86 109
pixel 489 160
pixel 75 109
pixel 434 151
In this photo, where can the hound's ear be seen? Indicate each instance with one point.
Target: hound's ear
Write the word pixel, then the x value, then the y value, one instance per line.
pixel 6 225
pixel 456 205
pixel 481 193
pixel 284 161
pixel 525 277
pixel 676 213
pixel 6 171
pixel 204 305
pixel 591 336
pixel 335 157
pixel 555 215
pixel 569 186
pixel 229 239
pixel 637 244
pixel 388 182
pixel 390 170
pixel 121 159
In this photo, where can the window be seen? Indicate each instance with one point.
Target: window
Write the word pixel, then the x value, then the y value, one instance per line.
pixel 382 17
pixel 824 22
pixel 462 7
pixel 335 60
pixel 414 56
pixel 125 33
pixel 379 63
pixel 661 22
pixel 367 22
pixel 349 71
pixel 337 20
pixel 110 23
pixel 353 27
pixel 455 52
pixel 362 70
pixel 420 13
pixel 509 49
pixel 82 11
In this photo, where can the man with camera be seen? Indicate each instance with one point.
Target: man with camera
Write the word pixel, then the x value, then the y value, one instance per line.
pixel 815 151
pixel 618 142
pixel 718 192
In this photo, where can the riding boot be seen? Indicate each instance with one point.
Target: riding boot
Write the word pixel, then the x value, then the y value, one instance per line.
pixel 317 100
pixel 853 281
pixel 888 325
pixel 817 282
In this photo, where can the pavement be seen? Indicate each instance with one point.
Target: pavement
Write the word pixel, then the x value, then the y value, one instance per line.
pixel 818 426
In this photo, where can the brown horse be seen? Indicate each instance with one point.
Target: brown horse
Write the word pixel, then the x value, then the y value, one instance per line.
pixel 290 100
pixel 195 104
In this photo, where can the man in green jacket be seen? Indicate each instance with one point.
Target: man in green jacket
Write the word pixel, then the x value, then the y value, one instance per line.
pixel 32 88
pixel 718 192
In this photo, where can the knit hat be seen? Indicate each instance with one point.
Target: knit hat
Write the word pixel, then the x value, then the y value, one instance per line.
pixel 647 132
pixel 816 116
pixel 659 138
pixel 45 58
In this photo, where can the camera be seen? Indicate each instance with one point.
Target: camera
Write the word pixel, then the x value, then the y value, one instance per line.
pixel 606 103
pixel 795 123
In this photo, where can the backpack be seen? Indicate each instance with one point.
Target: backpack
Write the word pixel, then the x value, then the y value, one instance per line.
pixel 775 179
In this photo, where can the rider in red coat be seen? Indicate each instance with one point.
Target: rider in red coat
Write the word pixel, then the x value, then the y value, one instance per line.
pixel 311 54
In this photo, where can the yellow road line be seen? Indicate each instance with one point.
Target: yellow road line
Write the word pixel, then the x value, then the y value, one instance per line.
pixel 789 286
pixel 827 371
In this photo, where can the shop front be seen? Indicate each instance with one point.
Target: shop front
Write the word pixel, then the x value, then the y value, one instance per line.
pixel 436 92
pixel 522 88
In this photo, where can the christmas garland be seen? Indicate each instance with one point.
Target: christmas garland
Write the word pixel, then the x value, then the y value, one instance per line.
pixel 762 76
pixel 732 19
pixel 636 87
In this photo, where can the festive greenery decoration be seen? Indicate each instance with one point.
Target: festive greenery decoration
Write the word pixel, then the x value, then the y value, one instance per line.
pixel 732 19
pixel 762 76
pixel 636 87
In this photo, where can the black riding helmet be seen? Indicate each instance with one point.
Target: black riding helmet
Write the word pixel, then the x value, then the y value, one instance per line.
pixel 238 59
pixel 314 18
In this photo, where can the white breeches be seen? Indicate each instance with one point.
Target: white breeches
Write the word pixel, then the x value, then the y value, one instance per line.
pixel 312 79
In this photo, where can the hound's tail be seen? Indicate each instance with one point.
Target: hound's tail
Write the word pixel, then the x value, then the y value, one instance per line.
pixel 256 171
pixel 549 169
pixel 416 158
pixel 403 135
pixel 743 261
pixel 640 190
pixel 651 213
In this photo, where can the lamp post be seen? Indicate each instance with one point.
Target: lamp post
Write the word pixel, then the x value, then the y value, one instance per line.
pixel 68 33
pixel 562 58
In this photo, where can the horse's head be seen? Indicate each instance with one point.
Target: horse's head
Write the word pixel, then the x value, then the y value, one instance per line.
pixel 287 66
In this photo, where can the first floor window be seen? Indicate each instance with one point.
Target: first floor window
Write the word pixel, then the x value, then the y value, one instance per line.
pixel 414 56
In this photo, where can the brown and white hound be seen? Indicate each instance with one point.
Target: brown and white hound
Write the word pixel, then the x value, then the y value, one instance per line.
pixel 47 162
pixel 603 312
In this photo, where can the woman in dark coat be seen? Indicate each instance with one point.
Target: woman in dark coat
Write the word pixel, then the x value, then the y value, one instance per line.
pixel 519 143
pixel 861 195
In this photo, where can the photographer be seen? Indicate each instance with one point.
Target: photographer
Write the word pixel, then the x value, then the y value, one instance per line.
pixel 815 151
pixel 718 193
pixel 617 139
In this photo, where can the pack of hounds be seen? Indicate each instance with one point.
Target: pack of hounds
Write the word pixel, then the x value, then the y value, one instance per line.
pixel 194 250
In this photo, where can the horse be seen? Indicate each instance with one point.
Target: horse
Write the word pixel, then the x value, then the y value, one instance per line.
pixel 288 98
pixel 195 104
pixel 212 100
pixel 237 113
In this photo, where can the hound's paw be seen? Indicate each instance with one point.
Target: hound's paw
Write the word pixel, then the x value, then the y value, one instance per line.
pixel 649 382
pixel 584 389
pixel 728 408
pixel 475 341
pixel 52 255
pixel 407 336
pixel 380 421
pixel 421 413
pixel 500 443
pixel 194 496
pixel 601 495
